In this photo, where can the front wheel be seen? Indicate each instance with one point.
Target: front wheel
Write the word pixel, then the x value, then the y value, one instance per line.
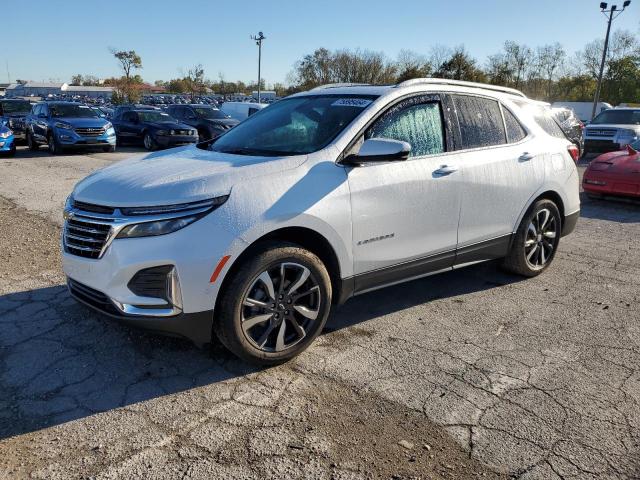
pixel 31 143
pixel 149 143
pixel 275 305
pixel 109 149
pixel 536 240
pixel 54 146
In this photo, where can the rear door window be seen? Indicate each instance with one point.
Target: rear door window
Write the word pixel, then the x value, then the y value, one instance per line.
pixel 480 121
pixel 413 121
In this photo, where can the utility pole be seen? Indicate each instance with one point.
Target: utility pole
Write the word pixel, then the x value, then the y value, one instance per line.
pixel 259 38
pixel 611 16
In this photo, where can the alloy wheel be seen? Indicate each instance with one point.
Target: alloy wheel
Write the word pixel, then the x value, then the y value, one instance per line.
pixel 148 143
pixel 280 306
pixel 540 240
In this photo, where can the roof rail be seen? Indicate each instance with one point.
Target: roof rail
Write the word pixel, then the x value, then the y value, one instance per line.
pixel 338 85
pixel 460 83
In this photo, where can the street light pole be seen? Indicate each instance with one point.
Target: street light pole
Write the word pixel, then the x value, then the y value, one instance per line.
pixel 611 15
pixel 259 38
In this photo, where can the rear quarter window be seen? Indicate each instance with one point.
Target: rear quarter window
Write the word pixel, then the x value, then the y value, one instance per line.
pixel 515 131
pixel 543 118
pixel 480 121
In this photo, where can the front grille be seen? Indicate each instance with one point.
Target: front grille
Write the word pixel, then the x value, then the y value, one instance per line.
pixel 88 207
pixel 601 132
pixel 91 297
pixel 151 282
pixel 90 132
pixel 85 237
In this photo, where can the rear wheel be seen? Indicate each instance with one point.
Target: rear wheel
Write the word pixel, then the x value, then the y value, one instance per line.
pixel 536 241
pixel 275 305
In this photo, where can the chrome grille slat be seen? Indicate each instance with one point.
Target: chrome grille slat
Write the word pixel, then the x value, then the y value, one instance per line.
pixel 90 132
pixel 84 239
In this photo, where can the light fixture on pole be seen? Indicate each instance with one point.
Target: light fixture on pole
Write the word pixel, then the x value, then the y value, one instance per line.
pixel 611 15
pixel 259 38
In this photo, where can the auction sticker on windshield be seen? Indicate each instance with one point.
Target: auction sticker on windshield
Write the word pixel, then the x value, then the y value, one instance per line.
pixel 351 102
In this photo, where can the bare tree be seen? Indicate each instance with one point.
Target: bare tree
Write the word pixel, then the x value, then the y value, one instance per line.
pixel 551 57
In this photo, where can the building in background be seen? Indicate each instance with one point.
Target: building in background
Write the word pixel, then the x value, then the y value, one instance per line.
pixel 37 89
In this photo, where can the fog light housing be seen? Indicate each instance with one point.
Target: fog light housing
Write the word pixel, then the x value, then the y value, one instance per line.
pixel 160 283
pixel 595 182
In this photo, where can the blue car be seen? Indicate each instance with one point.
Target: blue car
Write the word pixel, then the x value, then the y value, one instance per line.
pixel 68 125
pixel 7 141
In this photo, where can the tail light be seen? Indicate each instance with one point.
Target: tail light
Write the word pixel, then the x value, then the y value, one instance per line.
pixel 581 126
pixel 574 152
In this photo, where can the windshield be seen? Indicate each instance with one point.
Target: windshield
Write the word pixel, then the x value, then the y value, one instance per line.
pixel 71 110
pixel 294 126
pixel 620 117
pixel 152 116
pixel 212 113
pixel 12 108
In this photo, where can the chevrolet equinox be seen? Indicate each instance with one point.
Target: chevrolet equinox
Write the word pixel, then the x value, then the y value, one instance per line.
pixel 327 194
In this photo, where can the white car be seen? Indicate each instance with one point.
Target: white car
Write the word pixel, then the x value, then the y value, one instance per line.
pixel 612 130
pixel 324 195
pixel 241 110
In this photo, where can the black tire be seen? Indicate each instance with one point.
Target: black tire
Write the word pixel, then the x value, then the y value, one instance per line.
pixel 149 142
pixel 12 152
pixel 531 252
pixel 203 135
pixel 31 143
pixel 54 146
pixel 232 306
pixel 109 149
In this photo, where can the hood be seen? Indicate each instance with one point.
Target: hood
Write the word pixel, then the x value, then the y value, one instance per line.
pixel 171 125
pixel 175 176
pixel 611 126
pixel 82 122
pixel 230 122
pixel 623 161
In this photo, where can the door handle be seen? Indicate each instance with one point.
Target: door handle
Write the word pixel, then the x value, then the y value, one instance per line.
pixel 526 156
pixel 446 170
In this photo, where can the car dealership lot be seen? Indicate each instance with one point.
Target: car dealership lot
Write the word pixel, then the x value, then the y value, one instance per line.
pixel 534 378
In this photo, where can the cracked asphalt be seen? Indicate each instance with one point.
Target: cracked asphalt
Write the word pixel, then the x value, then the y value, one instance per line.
pixel 473 373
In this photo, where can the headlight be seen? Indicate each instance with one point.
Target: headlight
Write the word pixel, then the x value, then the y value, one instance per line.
pixel 152 229
pixel 190 213
pixel 66 126
pixel 108 126
pixel 6 134
pixel 193 133
pixel 111 132
pixel 627 133
pixel 161 132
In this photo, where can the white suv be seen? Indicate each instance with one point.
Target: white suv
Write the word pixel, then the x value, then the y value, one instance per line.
pixel 612 130
pixel 321 196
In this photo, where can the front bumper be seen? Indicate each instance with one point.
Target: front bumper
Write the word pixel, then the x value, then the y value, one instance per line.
pixel 166 141
pixel 193 326
pixel 70 139
pixel 7 144
pixel 614 186
pixel 600 146
pixel 193 252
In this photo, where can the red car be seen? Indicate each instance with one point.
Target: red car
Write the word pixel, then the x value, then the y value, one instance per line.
pixel 614 173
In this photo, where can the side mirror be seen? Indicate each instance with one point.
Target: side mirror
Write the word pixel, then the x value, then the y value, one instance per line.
pixel 380 150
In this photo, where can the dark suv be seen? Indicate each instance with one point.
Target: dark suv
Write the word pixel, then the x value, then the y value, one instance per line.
pixel 63 125
pixel 210 122
pixel 13 113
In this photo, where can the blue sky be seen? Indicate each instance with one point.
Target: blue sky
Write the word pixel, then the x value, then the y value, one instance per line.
pixel 54 39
